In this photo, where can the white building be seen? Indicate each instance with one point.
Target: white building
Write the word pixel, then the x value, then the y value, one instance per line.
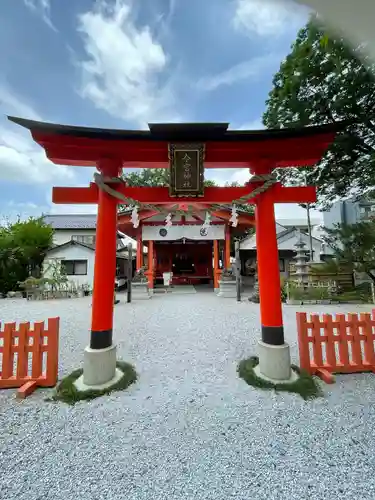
pixel 74 247
pixel 288 234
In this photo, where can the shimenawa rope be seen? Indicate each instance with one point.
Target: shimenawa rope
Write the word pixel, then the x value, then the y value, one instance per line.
pixel 103 183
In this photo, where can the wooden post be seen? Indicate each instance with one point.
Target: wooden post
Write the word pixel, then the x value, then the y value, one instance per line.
pixel 139 259
pixel 227 247
pixel 268 271
pixel 238 271
pixel 216 263
pixel 151 264
pixel 105 264
pixel 130 271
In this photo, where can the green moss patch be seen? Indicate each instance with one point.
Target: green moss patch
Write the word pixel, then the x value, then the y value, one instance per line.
pixel 306 385
pixel 67 392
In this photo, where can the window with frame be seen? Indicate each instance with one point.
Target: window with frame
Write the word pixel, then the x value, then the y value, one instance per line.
pixel 87 239
pixel 74 267
pixel 282 265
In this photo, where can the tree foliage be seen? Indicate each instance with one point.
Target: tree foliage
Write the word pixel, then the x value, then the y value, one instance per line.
pixel 323 81
pixel 153 177
pixel 354 245
pixel 147 177
pixel 23 246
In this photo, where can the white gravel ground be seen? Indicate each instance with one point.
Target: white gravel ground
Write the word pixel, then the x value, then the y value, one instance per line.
pixel 189 428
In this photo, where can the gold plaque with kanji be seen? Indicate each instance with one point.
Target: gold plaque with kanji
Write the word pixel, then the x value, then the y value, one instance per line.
pixel 186 166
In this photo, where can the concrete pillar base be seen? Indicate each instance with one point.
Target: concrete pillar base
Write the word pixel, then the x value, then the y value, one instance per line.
pixel 274 363
pixel 227 290
pixel 99 366
pixel 82 387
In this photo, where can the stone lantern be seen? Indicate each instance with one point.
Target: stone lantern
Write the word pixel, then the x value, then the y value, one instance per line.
pixel 301 273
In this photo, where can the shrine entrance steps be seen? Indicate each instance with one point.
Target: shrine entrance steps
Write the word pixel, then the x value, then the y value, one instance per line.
pixel 176 289
pixel 183 289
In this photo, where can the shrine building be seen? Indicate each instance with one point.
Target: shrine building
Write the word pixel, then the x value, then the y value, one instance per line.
pixel 194 252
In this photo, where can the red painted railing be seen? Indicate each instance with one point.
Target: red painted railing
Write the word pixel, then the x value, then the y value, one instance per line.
pixel 344 344
pixel 29 356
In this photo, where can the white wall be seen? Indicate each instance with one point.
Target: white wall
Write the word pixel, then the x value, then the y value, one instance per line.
pixel 73 252
pixel 177 232
pixel 61 236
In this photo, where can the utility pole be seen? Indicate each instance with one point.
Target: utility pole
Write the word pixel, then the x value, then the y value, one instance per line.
pixel 130 272
pixel 309 228
pixel 310 235
pixel 238 270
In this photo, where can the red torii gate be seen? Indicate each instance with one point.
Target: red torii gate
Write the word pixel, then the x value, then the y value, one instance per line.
pixel 112 150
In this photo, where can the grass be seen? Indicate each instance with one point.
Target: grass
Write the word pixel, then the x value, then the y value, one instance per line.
pixel 67 392
pixel 306 385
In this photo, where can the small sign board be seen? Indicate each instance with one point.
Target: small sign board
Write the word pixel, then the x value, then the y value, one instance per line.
pixel 186 166
pixel 167 277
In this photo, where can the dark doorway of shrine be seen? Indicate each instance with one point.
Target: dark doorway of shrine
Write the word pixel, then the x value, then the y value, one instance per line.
pixel 189 261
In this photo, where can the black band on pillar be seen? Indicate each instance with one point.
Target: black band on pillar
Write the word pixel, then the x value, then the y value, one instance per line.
pixel 273 335
pixel 101 339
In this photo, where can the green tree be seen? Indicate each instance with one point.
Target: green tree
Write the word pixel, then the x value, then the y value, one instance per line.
pixel 153 177
pixel 147 177
pixel 354 246
pixel 23 246
pixel 323 81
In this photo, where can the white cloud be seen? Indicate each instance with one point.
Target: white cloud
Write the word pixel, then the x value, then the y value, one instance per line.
pixel 12 211
pixel 43 9
pixel 166 18
pixel 125 66
pixel 246 70
pixel 227 175
pixel 268 18
pixel 294 211
pixel 21 159
pixel 72 209
pixel 12 104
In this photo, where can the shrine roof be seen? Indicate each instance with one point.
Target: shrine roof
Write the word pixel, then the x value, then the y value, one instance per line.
pixel 201 132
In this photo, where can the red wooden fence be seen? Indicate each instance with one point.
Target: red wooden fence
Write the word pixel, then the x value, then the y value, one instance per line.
pixel 23 363
pixel 336 345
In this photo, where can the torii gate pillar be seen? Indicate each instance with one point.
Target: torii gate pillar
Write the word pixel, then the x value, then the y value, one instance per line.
pixel 99 365
pixel 274 353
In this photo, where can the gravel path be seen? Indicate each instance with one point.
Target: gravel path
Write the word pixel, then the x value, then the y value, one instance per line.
pixel 189 428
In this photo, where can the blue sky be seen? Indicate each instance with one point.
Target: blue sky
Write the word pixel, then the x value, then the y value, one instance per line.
pixel 123 63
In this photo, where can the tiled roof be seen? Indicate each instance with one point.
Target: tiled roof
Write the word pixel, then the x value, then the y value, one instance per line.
pixel 89 247
pixel 299 222
pixel 71 221
pixel 72 243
